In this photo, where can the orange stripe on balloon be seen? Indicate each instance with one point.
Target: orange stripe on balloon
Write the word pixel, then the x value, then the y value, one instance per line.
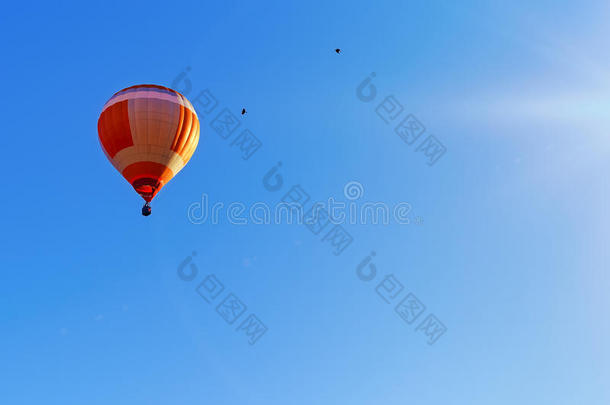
pixel 147 169
pixel 113 129
pixel 187 135
pixel 147 178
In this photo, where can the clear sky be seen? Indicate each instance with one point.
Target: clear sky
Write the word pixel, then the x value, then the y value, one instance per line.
pixel 508 252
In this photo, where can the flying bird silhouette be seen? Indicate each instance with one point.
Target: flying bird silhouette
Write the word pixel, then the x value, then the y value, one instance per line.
pixel 243 111
pixel 338 51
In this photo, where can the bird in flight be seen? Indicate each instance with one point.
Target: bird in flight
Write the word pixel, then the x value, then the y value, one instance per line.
pixel 338 51
pixel 243 111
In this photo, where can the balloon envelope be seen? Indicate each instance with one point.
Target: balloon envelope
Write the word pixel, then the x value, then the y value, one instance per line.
pixel 148 133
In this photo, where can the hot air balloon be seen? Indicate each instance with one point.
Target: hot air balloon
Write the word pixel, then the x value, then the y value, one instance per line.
pixel 148 133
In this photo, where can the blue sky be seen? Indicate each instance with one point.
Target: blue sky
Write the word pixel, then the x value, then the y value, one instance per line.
pixel 510 255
